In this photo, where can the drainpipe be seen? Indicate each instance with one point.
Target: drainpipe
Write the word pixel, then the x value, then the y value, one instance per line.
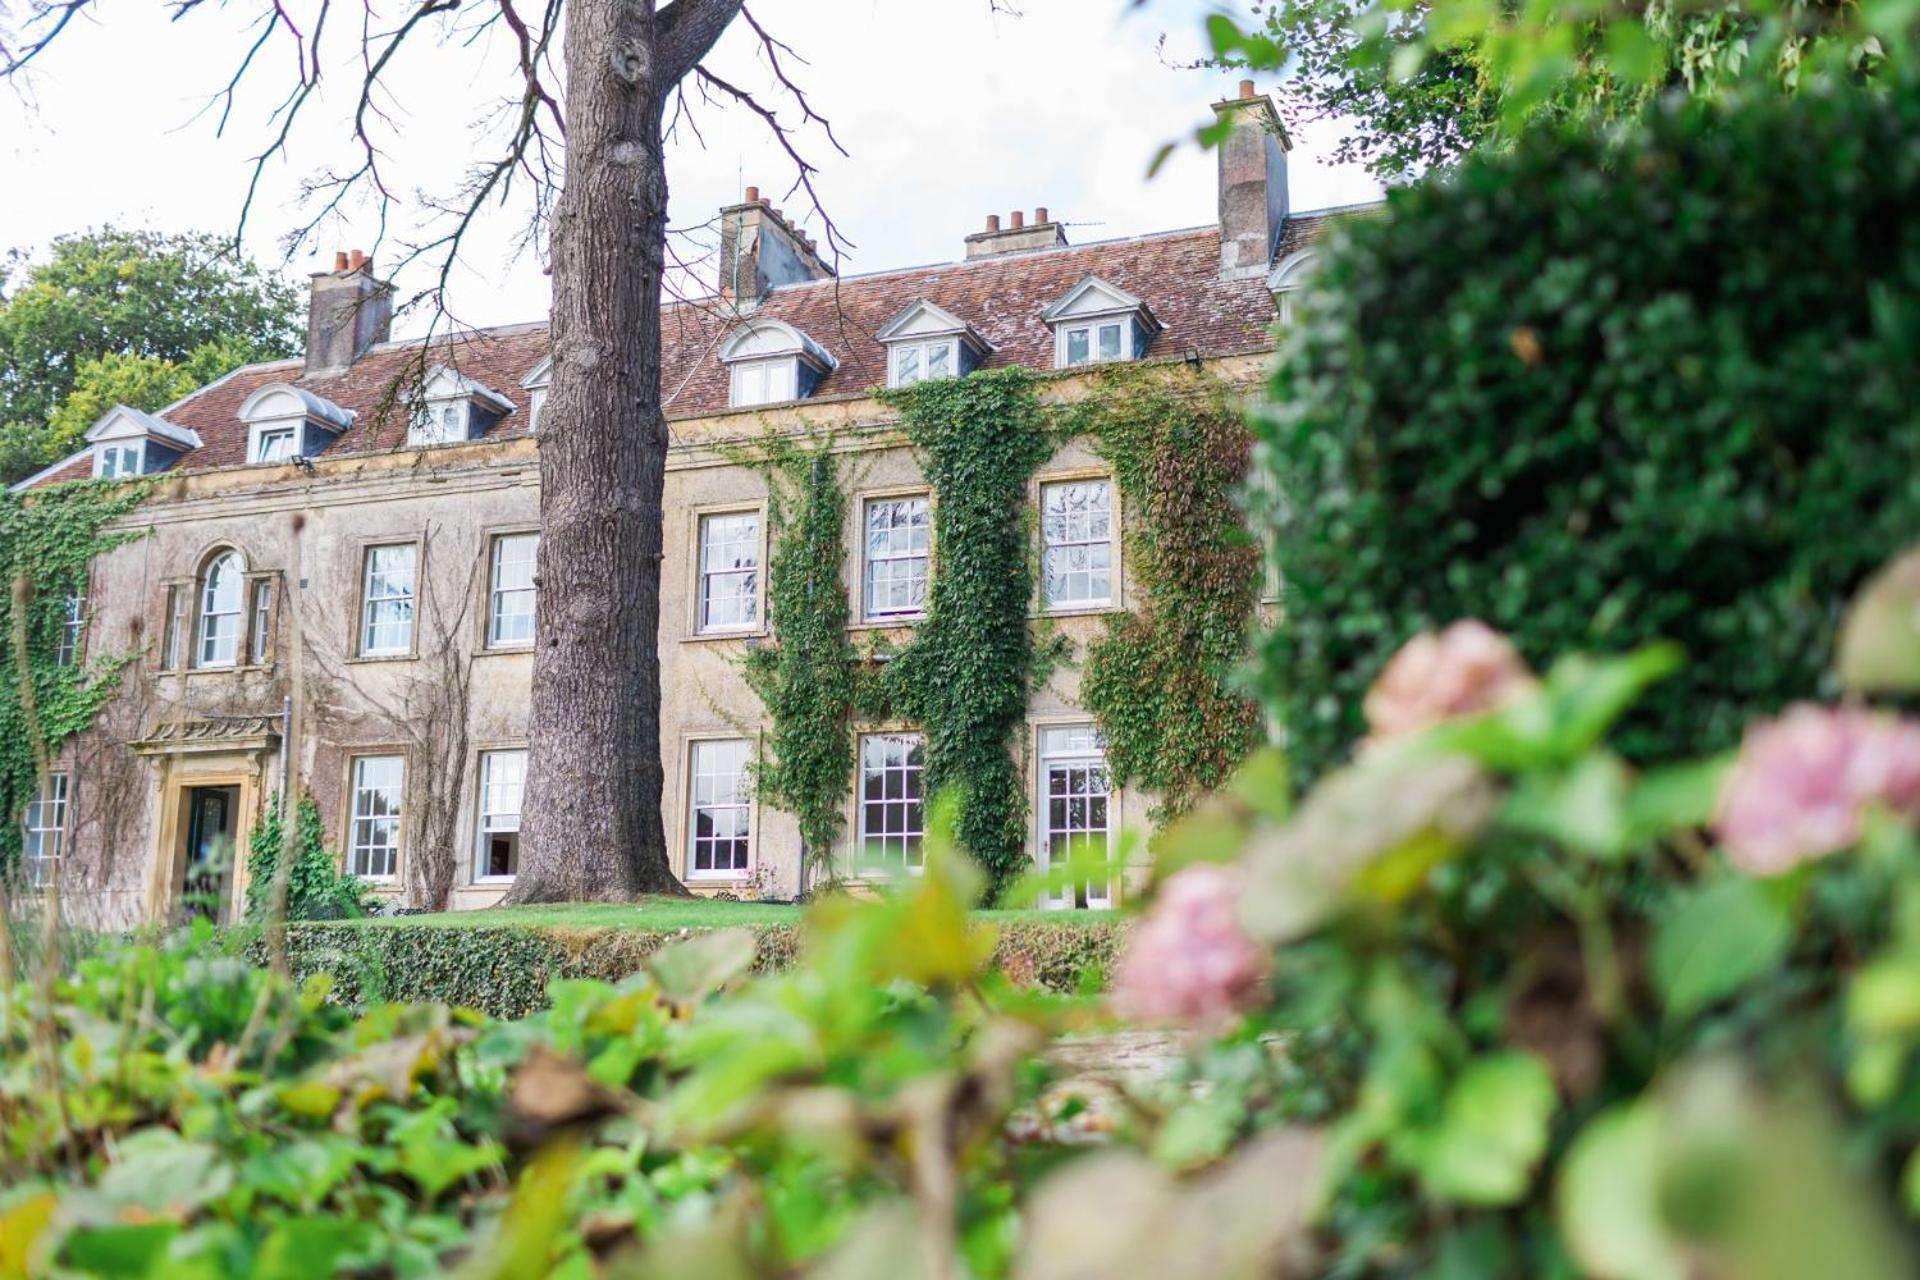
pixel 286 756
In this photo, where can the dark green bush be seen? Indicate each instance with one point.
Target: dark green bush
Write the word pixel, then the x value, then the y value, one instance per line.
pixel 504 970
pixel 317 889
pixel 1599 392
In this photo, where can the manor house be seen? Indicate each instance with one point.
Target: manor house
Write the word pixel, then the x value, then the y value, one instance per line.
pixel 334 588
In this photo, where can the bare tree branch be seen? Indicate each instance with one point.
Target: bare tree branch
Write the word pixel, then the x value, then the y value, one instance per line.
pixel 684 30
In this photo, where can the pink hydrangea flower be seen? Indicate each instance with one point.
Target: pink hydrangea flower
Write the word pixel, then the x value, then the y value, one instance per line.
pixel 1189 960
pixel 1461 671
pixel 1802 781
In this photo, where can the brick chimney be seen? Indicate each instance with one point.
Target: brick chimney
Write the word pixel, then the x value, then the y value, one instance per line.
pixel 348 310
pixel 1041 233
pixel 1253 183
pixel 761 250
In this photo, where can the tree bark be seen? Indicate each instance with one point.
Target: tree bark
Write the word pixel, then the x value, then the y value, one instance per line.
pixel 592 828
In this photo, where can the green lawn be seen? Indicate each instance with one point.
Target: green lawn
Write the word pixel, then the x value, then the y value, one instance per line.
pixel 662 914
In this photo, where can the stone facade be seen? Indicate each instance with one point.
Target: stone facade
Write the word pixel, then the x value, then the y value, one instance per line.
pixel 221 713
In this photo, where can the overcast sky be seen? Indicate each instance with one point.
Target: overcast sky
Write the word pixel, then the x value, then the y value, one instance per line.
pixel 948 111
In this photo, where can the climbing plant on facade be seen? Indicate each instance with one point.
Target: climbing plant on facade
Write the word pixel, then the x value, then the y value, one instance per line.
pixel 47 540
pixel 965 677
pixel 806 678
pixel 1160 681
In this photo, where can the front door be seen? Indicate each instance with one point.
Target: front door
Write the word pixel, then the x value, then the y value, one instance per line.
pixel 212 814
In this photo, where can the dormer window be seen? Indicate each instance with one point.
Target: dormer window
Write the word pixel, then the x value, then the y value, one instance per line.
pixel 1288 279
pixel 453 409
pixel 284 423
pixel 926 341
pixel 535 384
pixel 281 444
pixel 116 461
pixel 770 362
pixel 127 442
pixel 1097 322
pixel 1091 343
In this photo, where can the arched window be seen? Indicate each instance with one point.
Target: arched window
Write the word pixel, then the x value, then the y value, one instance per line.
pixel 1288 278
pixel 222 585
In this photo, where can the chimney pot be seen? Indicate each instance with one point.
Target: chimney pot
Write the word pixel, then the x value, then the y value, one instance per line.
pixel 1040 214
pixel 1246 88
pixel 753 195
pixel 347 312
pixel 993 222
pixel 356 260
pixel 1019 219
pixel 340 260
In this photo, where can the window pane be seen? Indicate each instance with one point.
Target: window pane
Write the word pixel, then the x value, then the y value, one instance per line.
pixel 373 849
pixel 1076 532
pixel 1077 346
pixel 511 597
pixel 907 366
pixel 939 356
pixel 1074 795
pixel 260 637
pixel 892 821
pixel 729 560
pixel 387 609
pixel 896 562
pixel 220 590
pixel 1109 342
pixel 43 827
pixel 720 821
pixel 503 777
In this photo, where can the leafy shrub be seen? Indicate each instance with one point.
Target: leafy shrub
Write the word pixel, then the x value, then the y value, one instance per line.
pixel 317 889
pixel 505 970
pixel 1556 1016
pixel 1596 393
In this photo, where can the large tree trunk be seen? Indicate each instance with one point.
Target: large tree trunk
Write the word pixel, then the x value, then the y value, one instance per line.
pixel 592 827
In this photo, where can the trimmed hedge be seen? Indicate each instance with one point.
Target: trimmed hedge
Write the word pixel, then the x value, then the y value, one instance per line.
pixel 1601 392
pixel 504 970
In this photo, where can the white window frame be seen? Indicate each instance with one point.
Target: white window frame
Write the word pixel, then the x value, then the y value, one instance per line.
pixel 536 402
pixel 36 825
pixel 1090 328
pixel 870 561
pixel 738 801
pixel 260 620
pixel 910 805
pixel 430 427
pixel 752 383
pixel 368 601
pixel 1086 752
pixel 218 649
pixel 498 595
pixel 268 435
pixel 66 649
pixel 1091 530
pixel 178 639
pixel 919 354
pixel 500 799
pixel 118 459
pixel 362 822
pixel 707 575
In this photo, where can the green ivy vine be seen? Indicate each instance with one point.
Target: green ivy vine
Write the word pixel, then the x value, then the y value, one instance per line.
pixel 807 677
pixel 965 677
pixel 1160 682
pixel 48 538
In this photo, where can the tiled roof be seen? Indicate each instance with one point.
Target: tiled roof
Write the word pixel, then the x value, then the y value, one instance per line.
pixel 1175 273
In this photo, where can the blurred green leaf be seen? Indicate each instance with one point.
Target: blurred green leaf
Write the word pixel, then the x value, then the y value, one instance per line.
pixel 1492 1132
pixel 694 969
pixel 1879 646
pixel 1714 940
pixel 1584 808
pixel 1606 1199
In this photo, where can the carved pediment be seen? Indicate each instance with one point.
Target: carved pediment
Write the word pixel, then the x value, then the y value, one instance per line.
pixel 212 733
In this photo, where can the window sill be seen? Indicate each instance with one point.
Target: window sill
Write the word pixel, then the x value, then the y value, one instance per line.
pixel 905 622
pixel 382 657
pixel 503 650
pixel 238 669
pixel 713 637
pixel 1081 611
